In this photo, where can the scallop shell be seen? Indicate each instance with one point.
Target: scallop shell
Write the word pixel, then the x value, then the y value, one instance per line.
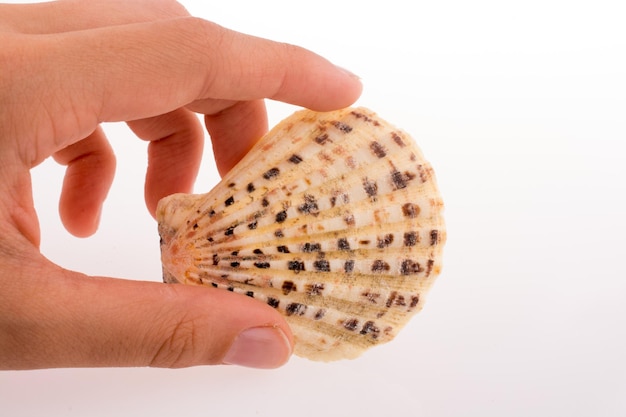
pixel 334 219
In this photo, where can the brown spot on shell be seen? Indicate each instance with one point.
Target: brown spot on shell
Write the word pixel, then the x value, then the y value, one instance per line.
pixel 370 187
pixel 296 309
pixel 315 288
pixel 400 301
pixel 378 149
pixel 343 244
pixel 309 247
pixel 369 328
pixel 342 127
pixel 398 139
pixel 271 173
pixel 288 286
pixel 371 297
pixel 322 139
pixel 385 241
pixel 368 119
pixel 295 159
pixel 410 267
pixel 392 296
pixel 411 210
pixel 281 216
pixel 429 266
pixel 434 237
pixel 400 180
pixel 351 324
pixel 321 265
pixel 411 238
pixel 423 173
pixel 296 266
pixel 309 206
pixel 380 266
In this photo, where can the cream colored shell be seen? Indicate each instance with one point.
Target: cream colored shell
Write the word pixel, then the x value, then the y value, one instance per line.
pixel 334 219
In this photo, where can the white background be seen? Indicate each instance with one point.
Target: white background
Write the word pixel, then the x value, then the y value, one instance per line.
pixel 521 109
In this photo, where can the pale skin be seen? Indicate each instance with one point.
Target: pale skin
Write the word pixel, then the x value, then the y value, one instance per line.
pixel 68 66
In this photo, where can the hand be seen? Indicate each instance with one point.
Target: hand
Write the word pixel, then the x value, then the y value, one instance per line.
pixel 67 66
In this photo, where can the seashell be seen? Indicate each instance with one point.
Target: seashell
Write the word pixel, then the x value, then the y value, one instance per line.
pixel 334 219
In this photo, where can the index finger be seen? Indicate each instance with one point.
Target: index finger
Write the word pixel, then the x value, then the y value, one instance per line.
pixel 136 71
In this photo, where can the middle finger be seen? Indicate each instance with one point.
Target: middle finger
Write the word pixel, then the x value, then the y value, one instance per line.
pixel 74 15
pixel 174 153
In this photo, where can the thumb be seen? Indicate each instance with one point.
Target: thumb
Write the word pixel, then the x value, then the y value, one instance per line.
pixel 58 318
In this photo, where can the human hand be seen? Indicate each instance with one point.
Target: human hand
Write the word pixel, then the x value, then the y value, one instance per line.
pixel 68 66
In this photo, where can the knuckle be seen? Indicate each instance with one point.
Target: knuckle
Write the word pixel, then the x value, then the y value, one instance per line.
pixel 203 47
pixel 179 347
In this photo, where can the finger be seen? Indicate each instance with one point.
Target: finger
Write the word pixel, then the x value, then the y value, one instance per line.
pixel 73 15
pixel 143 70
pixel 77 321
pixel 88 178
pixel 234 130
pixel 174 153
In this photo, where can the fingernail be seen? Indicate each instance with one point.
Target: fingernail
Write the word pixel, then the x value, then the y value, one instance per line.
pixel 348 72
pixel 259 347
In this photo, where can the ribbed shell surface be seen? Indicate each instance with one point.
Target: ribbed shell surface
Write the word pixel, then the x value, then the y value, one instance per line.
pixel 334 219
